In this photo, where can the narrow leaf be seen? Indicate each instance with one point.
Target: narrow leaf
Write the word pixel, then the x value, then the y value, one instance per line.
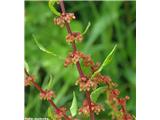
pixel 74 106
pixel 44 49
pixel 106 61
pixel 52 8
pixel 26 66
pixel 50 82
pixel 89 24
pixel 96 93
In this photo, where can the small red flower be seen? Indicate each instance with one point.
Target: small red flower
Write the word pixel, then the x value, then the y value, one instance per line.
pixel 72 58
pixel 28 80
pixel 95 67
pixel 47 95
pixel 60 112
pixel 115 92
pixel 86 84
pixel 74 36
pixel 127 97
pixel 87 61
pixel 65 17
pixel 94 107
pixel 102 79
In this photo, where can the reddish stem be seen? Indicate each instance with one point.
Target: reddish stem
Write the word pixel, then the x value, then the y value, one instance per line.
pixel 90 106
pixel 77 64
pixel 50 101
pixel 38 87
pixel 64 115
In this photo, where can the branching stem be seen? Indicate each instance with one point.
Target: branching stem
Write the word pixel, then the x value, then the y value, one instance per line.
pixel 49 100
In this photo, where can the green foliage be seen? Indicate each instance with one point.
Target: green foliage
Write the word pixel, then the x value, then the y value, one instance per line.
pixel 106 61
pixel 74 107
pixel 44 49
pixel 85 31
pixel 50 82
pixel 26 66
pixel 96 93
pixel 52 8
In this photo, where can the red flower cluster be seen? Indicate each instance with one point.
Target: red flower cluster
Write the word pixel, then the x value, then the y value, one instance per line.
pixel 60 112
pixel 95 67
pixel 122 103
pixel 47 95
pixel 28 80
pixel 94 107
pixel 87 60
pixel 86 84
pixel 102 79
pixel 65 17
pixel 74 36
pixel 73 57
pixel 114 101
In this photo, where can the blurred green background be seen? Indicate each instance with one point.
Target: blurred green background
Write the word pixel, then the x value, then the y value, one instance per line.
pixel 112 22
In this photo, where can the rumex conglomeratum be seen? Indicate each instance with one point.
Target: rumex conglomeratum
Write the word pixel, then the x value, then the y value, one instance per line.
pixel 86 82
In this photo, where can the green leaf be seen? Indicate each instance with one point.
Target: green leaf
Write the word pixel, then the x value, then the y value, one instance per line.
pixel 89 24
pixel 50 114
pixel 44 49
pixel 74 106
pixel 96 93
pixel 26 66
pixel 50 82
pixel 52 8
pixel 106 61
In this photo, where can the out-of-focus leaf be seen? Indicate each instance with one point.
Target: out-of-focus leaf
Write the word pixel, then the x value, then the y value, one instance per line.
pixel 52 8
pixel 44 49
pixel 106 61
pixel 96 93
pixel 50 82
pixel 74 106
pixel 89 24
pixel 26 66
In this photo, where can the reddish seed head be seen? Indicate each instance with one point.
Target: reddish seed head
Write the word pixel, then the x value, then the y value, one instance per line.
pixel 127 97
pixel 28 80
pixel 65 17
pixel 94 107
pixel 122 102
pixel 115 92
pixel 60 112
pixel 47 95
pixel 71 37
pixel 72 58
pixel 95 67
pixel 87 84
